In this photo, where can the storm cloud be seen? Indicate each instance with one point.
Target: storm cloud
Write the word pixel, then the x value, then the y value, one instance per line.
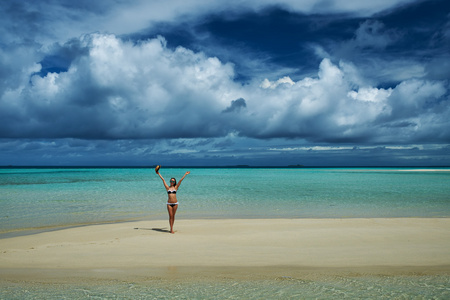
pixel 115 89
pixel 362 85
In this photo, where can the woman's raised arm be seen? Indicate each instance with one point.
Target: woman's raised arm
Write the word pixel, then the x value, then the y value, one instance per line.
pixel 179 182
pixel 165 184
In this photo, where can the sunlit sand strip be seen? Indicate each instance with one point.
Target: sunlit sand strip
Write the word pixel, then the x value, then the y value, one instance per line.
pixel 375 169
pixel 124 249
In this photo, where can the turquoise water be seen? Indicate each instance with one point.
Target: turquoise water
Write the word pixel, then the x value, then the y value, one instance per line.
pixel 36 198
pixel 336 287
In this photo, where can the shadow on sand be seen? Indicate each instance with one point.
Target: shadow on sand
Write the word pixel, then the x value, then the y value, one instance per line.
pixel 155 229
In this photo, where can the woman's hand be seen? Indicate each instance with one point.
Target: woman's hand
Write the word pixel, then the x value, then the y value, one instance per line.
pixel 187 173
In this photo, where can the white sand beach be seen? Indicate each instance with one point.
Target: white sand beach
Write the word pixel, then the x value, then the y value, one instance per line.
pixel 145 248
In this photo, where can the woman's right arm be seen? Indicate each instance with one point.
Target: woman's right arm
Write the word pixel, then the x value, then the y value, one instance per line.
pixel 165 184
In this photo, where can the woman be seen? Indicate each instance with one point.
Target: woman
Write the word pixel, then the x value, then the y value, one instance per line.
pixel 172 203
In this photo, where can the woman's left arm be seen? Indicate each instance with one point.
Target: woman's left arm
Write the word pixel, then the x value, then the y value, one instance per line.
pixel 179 182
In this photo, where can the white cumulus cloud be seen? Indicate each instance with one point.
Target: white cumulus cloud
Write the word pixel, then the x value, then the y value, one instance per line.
pixel 115 89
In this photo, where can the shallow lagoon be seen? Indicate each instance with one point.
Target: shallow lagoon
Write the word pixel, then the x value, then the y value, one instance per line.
pixel 35 198
pixel 328 287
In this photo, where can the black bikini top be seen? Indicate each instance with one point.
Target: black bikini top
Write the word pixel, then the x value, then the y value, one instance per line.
pixel 171 192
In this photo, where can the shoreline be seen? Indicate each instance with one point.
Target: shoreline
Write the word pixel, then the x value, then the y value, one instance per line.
pixel 250 248
pixel 189 275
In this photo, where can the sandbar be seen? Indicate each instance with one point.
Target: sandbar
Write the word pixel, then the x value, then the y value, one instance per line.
pixel 230 247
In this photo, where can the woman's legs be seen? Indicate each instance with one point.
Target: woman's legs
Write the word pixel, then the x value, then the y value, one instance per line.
pixel 172 210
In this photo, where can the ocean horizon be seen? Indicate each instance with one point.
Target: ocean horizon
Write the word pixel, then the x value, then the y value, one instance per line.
pixel 239 166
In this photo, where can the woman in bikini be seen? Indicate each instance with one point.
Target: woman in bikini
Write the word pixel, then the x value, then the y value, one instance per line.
pixel 172 203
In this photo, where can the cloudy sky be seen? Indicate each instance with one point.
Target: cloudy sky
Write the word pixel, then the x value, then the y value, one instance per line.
pixel 200 82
